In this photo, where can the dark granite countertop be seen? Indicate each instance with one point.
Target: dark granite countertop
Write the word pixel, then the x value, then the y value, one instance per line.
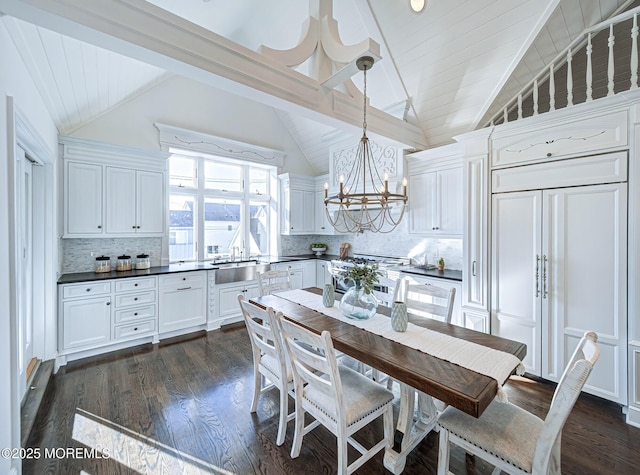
pixel 448 274
pixel 171 268
pixel 209 265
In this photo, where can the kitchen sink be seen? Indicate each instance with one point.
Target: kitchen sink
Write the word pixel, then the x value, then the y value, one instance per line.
pixel 239 271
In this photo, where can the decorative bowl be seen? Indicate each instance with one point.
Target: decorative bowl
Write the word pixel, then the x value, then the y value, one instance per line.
pixel 319 250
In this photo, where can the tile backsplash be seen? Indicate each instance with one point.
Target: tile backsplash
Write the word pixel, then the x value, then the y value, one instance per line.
pixel 399 243
pixel 76 253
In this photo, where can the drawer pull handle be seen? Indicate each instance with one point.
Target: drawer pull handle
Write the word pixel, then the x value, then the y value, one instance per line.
pixel 184 288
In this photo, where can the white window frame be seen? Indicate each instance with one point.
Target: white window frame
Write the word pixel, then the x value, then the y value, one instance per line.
pixel 245 197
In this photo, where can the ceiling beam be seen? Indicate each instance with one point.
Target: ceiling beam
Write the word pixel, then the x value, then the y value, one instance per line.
pixel 141 30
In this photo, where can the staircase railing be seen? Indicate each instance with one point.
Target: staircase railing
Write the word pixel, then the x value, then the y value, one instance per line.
pixel 514 108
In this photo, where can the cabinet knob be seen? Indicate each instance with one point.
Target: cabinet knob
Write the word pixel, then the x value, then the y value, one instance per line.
pixel 184 278
pixel 133 227
pixel 89 290
pixel 549 154
pixel 137 227
pixel 135 314
pixel 108 303
pixel 135 329
pixel 135 285
pixel 135 298
pixel 99 227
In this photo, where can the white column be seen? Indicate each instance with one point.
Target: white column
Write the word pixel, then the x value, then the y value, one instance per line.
pixel 610 71
pixel 569 79
pixel 589 78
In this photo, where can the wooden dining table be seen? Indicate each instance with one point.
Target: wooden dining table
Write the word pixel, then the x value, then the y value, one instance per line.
pixel 462 388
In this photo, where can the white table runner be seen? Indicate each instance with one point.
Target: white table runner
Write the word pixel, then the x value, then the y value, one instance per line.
pixel 487 361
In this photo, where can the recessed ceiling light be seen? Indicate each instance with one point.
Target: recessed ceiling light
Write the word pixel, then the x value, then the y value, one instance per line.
pixel 417 5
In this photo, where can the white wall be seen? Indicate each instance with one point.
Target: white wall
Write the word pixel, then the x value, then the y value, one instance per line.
pixel 15 82
pixel 191 105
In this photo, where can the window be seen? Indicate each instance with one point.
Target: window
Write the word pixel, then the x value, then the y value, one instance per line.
pixel 218 208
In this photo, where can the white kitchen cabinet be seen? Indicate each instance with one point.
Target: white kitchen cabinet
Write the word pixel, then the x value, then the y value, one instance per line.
pixel 435 191
pixel 112 191
pixel 435 203
pixel 83 199
pixel 182 301
pixel 86 322
pixel 308 273
pixel 323 276
pixel 227 306
pixel 134 201
pixel 474 245
pixel 297 211
pixel 456 314
pixel 558 270
pixel 134 311
pixel 295 272
pixel 84 316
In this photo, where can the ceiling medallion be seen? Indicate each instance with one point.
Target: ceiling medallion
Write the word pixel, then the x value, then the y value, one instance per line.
pixel 364 202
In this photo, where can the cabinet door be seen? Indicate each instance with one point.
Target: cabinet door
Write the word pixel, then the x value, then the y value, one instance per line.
pixel 449 202
pixel 228 305
pixel 83 198
pixel 515 273
pixel 121 200
pixel 322 274
pixel 308 211
pixel 182 307
pixel 308 274
pixel 296 211
pixel 323 226
pixel 86 322
pixel 585 281
pixel 422 205
pixel 474 272
pixel 150 202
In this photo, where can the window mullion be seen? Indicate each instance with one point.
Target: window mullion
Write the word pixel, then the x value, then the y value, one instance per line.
pixel 201 209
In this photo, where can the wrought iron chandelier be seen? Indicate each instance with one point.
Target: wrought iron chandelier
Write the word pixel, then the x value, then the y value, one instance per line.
pixel 364 202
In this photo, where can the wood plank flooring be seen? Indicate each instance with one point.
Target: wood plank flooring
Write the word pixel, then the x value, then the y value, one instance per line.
pixel 182 407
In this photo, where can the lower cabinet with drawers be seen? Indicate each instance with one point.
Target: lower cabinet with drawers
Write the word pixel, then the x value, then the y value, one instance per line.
pixel 93 315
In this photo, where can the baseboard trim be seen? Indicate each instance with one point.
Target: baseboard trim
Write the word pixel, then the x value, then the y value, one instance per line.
pixel 633 416
pixel 33 399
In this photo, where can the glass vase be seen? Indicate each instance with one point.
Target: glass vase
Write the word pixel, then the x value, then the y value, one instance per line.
pixel 357 304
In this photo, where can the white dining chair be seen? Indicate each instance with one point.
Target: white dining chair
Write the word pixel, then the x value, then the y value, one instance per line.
pixel 512 439
pixel 428 301
pixel 274 281
pixel 270 360
pixel 338 397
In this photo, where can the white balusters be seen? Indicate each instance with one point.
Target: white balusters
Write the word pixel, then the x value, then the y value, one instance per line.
pixel 610 70
pixel 505 116
pixel 634 53
pixel 552 90
pixel 569 79
pixel 519 106
pixel 589 70
pixel 535 96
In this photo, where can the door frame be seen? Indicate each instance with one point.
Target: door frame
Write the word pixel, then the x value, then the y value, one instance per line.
pixel 20 132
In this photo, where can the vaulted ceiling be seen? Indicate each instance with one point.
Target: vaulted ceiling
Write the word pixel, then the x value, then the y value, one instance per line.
pixel 443 71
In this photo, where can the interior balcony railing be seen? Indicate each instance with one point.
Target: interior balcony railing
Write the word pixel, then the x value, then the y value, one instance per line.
pixel 586 70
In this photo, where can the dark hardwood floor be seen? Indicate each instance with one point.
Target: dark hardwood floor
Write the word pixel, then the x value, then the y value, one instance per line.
pixel 182 407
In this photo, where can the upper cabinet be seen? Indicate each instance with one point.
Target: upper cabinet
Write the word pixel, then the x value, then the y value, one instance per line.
pixel 435 192
pixel 111 190
pixel 297 201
